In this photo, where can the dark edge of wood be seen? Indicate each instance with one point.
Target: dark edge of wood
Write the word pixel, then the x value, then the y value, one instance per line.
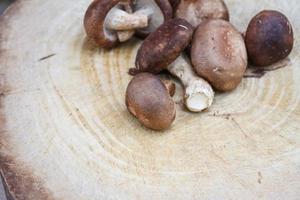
pixel 8 195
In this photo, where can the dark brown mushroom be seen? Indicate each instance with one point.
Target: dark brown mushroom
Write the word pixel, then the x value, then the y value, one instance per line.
pixel 196 11
pixel 158 11
pixel 149 101
pixel 219 54
pixel 105 18
pixel 163 46
pixel 269 38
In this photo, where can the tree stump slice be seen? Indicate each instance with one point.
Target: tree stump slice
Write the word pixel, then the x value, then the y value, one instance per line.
pixel 66 133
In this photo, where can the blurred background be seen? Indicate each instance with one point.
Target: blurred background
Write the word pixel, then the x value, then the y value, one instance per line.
pixel 3 6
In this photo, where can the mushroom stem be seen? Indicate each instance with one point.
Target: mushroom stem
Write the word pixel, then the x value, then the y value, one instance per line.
pixel 124 36
pixel 199 94
pixel 121 20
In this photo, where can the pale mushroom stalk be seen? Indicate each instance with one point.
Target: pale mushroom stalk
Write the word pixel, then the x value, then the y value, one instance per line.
pixel 125 22
pixel 124 36
pixel 120 20
pixel 199 94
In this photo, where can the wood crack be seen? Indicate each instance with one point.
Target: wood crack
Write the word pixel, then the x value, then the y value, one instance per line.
pixel 46 57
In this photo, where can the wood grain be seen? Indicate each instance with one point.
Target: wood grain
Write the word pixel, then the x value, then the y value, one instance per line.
pixel 66 133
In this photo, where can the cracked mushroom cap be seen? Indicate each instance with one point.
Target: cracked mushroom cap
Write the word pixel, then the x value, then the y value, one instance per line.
pixel 94 23
pixel 149 101
pixel 161 11
pixel 196 11
pixel 269 38
pixel 163 46
pixel 219 54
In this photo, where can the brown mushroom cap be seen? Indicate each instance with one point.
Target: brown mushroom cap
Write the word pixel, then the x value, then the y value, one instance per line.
pixel 269 38
pixel 163 46
pixel 196 11
pixel 149 101
pixel 162 12
pixel 94 23
pixel 219 54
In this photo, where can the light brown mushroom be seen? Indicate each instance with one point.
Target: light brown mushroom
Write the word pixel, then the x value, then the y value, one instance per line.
pixel 269 38
pixel 196 11
pixel 148 99
pixel 219 54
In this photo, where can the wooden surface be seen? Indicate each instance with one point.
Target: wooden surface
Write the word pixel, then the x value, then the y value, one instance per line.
pixel 66 133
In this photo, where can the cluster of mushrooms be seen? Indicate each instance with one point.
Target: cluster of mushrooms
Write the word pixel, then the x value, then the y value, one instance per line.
pixel 194 41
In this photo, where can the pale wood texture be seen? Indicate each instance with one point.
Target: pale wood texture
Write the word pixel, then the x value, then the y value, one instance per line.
pixel 66 133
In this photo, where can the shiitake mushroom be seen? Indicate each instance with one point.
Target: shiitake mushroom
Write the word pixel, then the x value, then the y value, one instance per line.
pixel 148 99
pixel 197 11
pixel 269 38
pixel 219 54
pixel 163 46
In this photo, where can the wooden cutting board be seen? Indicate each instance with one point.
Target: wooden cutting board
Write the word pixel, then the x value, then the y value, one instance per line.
pixel 66 133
